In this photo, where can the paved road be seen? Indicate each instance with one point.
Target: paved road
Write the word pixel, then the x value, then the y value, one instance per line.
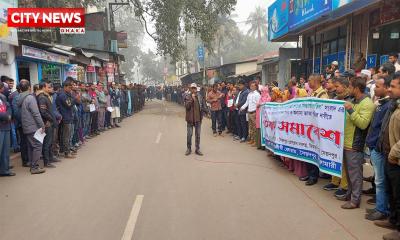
pixel 232 193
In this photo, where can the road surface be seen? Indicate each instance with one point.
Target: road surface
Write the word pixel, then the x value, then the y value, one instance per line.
pixel 136 181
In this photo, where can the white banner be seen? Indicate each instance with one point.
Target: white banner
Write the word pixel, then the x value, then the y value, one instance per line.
pixel 306 129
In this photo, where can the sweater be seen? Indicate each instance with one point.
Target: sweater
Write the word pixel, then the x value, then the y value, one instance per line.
pixel 357 121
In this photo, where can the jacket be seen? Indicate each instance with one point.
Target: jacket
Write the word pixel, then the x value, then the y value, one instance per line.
pixel 86 100
pixel 101 97
pixel 376 123
pixel 46 109
pixel 358 120
pixel 214 98
pixel 30 116
pixel 241 99
pixel 383 143
pixel 65 103
pixel 189 106
pixel 394 134
pixel 5 114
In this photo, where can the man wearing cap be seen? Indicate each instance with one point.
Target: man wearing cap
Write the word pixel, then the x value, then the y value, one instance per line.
pixel 195 107
pixel 330 71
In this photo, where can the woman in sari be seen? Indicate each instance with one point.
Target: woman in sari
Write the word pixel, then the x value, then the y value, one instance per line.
pixel 265 97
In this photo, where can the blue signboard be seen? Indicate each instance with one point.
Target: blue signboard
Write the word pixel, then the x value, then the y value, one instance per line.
pixel 317 65
pixel 383 59
pixel 371 60
pixel 339 3
pixel 278 17
pixel 302 12
pixel 200 53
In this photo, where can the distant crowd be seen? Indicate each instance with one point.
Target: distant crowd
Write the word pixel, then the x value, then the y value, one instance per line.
pixel 67 116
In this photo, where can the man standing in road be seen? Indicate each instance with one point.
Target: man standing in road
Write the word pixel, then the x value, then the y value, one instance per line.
pixel 315 83
pixel 195 107
pixel 214 98
pixel 31 122
pixel 5 127
pixel 240 117
pixel 49 119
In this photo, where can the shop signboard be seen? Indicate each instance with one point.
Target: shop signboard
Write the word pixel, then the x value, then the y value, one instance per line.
pixel 90 69
pixel 43 55
pixel 383 59
pixel 71 70
pixel 371 60
pixel 339 3
pixel 7 34
pixel 110 69
pixel 278 19
pixel 302 12
pixel 122 39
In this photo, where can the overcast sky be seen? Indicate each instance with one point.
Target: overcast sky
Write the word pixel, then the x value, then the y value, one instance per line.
pixel 242 10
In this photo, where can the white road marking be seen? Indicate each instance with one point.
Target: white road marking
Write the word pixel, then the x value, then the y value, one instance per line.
pixel 130 225
pixel 158 139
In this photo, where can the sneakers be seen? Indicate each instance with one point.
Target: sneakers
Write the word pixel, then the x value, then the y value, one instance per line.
pixel 392 236
pixel 311 182
pixel 331 187
pixel 214 134
pixel 340 193
pixel 9 174
pixel 350 205
pixel 375 216
pixel 49 165
pixel 188 152
pixel 385 224
pixel 37 170
pixel 369 192
pixel 199 153
pixel 70 156
pixel 242 140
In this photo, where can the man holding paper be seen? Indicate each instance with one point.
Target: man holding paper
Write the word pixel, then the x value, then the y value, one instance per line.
pixel 32 124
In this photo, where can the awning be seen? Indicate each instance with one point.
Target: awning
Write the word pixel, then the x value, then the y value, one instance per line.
pixel 246 74
pixel 269 61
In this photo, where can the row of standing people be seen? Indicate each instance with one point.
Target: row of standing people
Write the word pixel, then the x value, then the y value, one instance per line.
pixel 68 116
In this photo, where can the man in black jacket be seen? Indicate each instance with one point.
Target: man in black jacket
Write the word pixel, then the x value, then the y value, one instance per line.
pixel 240 116
pixel 47 113
pixel 5 127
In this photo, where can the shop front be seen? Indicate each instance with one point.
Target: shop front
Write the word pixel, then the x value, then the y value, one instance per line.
pixel 384 36
pixel 35 64
pixel 326 31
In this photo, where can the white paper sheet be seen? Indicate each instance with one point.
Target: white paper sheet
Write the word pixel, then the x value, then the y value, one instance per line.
pixel 92 107
pixel 110 109
pixel 39 135
pixel 230 103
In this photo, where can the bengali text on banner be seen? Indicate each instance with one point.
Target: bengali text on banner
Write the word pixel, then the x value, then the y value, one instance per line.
pixel 306 129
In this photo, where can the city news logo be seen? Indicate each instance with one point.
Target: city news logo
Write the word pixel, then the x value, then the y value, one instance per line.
pixel 68 20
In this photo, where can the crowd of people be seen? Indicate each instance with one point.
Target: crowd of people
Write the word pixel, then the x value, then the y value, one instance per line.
pixel 49 122
pixel 372 129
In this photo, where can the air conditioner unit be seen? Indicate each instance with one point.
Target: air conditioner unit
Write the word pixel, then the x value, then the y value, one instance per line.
pixel 4 58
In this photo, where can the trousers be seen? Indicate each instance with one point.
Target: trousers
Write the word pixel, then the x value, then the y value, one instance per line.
pixel 65 138
pixel 47 150
pixel 4 152
pixel 101 117
pixel 354 171
pixel 216 117
pixel 197 127
pixel 34 150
